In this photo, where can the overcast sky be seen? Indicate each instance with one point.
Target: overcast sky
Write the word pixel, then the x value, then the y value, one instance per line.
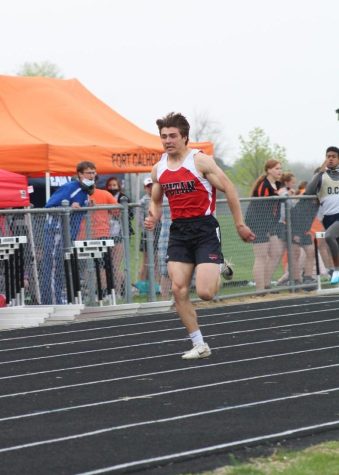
pixel 272 64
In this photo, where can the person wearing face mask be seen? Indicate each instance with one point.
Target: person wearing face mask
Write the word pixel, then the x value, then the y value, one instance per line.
pixel 113 185
pixel 77 193
pixel 325 185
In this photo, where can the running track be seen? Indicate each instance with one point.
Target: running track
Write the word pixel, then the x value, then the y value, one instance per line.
pixel 114 396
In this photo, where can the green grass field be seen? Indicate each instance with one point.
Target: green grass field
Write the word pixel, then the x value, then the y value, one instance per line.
pixel 322 459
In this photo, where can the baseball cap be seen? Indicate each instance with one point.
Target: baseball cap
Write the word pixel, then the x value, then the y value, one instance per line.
pixel 148 181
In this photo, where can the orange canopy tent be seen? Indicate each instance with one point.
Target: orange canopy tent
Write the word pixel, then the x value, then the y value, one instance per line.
pixel 49 125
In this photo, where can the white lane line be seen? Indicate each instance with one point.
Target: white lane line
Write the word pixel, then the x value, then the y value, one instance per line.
pixel 214 448
pixel 110 363
pixel 101 350
pixel 151 322
pixel 180 328
pixel 131 398
pixel 147 375
pixel 160 421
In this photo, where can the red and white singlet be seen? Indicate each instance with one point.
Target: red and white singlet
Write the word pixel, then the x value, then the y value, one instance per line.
pixel 189 194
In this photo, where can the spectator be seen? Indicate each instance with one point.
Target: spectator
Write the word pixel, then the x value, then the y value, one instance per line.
pixel 99 226
pixel 302 217
pixel 263 217
pixel 113 186
pixel 165 281
pixel 77 193
pixel 304 225
pixel 288 188
pixel 142 283
pixel 301 188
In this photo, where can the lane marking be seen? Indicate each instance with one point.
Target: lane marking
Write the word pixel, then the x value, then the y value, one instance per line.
pixel 109 363
pixel 125 398
pixel 214 448
pixel 77 353
pixel 151 322
pixel 180 328
pixel 157 373
pixel 154 421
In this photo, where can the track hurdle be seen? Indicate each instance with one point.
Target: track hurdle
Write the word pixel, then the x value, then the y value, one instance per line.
pixel 95 249
pixel 12 257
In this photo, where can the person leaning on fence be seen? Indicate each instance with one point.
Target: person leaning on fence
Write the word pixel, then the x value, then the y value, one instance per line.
pixel 77 194
pixel 325 185
pixel 189 179
pixel 142 283
pixel 288 188
pixel 113 186
pixel 165 281
pixel 98 226
pixel 302 217
pixel 262 216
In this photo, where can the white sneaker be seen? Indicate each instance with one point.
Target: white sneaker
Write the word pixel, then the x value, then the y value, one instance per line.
pixel 226 270
pixel 335 277
pixel 197 352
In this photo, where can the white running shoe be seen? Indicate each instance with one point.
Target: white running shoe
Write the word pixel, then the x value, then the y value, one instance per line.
pixel 201 350
pixel 226 270
pixel 335 277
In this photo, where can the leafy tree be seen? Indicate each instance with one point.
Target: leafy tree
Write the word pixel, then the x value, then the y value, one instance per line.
pixel 44 68
pixel 254 152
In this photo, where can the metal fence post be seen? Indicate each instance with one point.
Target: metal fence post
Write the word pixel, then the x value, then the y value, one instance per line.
pixel 67 245
pixel 127 260
pixel 150 259
pixel 289 243
pixel 89 264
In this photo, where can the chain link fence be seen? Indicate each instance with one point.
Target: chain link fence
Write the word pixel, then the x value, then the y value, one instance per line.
pixel 281 258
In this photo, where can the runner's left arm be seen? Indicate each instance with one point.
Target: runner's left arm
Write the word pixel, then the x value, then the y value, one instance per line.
pixel 210 170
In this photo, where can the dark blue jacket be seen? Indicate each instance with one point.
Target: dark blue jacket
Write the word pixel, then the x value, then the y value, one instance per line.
pixel 72 192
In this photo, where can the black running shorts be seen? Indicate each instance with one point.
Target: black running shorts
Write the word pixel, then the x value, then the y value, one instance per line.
pixel 195 241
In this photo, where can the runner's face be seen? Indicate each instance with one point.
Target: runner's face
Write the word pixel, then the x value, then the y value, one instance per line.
pixel 332 160
pixel 172 141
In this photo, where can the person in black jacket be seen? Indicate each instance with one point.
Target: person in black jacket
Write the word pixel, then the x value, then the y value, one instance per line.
pixel 113 185
pixel 263 217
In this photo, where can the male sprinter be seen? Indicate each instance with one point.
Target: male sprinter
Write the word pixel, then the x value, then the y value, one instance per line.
pixel 189 179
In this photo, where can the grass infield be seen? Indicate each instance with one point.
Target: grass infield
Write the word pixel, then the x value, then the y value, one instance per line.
pixel 322 459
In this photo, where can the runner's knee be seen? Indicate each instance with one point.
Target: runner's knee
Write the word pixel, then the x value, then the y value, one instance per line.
pixel 206 293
